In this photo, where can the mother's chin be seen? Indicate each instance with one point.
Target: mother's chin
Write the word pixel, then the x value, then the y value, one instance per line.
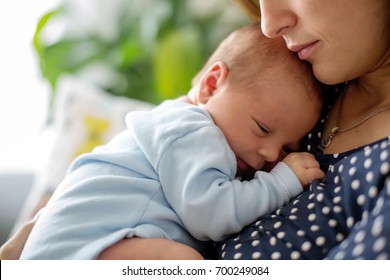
pixel 332 70
pixel 331 74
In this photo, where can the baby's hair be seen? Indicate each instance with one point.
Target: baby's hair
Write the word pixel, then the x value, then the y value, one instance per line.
pixel 248 52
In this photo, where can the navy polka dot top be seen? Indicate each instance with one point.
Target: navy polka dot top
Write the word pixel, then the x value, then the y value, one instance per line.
pixel 346 215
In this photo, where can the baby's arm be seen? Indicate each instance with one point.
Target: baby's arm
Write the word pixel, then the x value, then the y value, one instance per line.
pixel 200 186
pixel 305 167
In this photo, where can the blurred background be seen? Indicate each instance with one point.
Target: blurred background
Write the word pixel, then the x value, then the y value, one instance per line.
pixel 72 69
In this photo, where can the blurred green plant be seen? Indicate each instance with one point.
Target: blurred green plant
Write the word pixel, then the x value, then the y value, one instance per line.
pixel 147 50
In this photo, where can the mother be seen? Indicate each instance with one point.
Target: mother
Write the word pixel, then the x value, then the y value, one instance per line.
pixel 347 214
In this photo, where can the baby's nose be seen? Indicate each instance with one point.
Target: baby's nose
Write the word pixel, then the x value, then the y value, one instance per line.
pixel 272 154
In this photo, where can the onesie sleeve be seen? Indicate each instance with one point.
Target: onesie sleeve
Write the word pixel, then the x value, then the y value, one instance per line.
pixel 197 176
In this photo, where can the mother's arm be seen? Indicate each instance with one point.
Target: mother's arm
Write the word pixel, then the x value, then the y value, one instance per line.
pixel 152 248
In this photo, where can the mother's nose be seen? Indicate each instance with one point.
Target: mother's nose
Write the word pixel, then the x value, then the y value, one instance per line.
pixel 276 17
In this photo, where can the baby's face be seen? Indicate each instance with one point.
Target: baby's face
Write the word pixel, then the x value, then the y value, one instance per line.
pixel 263 125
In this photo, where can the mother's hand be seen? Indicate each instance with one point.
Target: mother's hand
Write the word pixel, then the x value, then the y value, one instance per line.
pixel 12 249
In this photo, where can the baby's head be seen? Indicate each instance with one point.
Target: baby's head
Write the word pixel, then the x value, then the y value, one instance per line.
pixel 263 98
pixel 248 54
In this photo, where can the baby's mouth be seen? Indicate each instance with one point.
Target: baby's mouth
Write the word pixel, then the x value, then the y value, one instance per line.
pixel 244 169
pixel 242 165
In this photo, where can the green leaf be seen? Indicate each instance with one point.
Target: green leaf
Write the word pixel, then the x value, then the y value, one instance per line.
pixel 39 46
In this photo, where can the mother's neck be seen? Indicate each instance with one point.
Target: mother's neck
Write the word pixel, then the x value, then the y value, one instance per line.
pixel 373 88
pixel 365 96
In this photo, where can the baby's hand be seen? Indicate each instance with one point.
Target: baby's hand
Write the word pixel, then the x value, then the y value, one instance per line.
pixel 305 166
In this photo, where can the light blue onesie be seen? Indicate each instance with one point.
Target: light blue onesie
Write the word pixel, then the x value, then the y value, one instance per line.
pixel 169 175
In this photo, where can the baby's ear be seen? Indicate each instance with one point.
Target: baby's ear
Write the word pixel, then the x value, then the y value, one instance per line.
pixel 211 80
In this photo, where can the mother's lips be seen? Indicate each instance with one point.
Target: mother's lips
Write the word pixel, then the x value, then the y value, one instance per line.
pixel 303 50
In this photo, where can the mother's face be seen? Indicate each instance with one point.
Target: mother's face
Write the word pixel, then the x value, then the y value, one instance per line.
pixel 341 39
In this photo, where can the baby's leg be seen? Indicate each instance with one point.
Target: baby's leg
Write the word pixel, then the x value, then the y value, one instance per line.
pixel 149 249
